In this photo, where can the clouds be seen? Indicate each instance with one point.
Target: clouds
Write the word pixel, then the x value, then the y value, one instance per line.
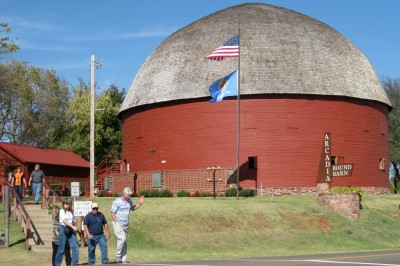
pixel 24 24
pixel 107 37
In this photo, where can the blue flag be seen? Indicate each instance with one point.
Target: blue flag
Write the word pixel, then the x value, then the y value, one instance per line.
pixel 226 86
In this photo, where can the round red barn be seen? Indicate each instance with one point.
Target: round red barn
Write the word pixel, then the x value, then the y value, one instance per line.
pixel 299 79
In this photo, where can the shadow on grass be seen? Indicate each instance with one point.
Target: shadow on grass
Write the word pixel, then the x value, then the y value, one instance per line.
pixel 22 240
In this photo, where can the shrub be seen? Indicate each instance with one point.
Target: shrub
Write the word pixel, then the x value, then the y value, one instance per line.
pixel 231 192
pixel 144 192
pixel 345 190
pixel 206 194
pixel 183 193
pixel 115 194
pixel 102 193
pixel 195 194
pixel 166 193
pixel 154 193
pixel 247 192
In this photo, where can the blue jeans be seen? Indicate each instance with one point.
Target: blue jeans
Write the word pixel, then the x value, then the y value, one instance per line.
pixel 37 188
pixel 18 190
pixel 92 243
pixel 73 243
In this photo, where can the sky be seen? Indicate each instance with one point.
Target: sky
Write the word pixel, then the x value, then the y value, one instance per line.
pixel 61 35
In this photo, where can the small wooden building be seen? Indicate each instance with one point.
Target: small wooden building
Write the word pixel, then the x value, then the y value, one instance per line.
pixel 58 165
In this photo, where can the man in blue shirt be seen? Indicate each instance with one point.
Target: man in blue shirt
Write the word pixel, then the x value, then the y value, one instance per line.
pixel 93 225
pixel 120 210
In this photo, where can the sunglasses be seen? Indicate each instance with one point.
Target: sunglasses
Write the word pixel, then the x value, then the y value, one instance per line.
pixel 95 209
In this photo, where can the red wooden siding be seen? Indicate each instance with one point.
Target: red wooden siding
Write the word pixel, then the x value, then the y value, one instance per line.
pixel 285 134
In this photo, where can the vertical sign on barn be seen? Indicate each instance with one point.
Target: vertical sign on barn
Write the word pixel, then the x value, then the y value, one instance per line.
pixel 325 165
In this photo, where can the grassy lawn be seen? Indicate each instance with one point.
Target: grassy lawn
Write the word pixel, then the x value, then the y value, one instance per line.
pixel 204 228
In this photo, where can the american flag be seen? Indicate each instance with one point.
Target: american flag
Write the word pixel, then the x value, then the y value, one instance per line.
pixel 230 49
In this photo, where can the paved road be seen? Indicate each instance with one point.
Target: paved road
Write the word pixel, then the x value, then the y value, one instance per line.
pixel 381 258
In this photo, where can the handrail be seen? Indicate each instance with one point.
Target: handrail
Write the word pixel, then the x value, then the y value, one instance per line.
pixel 22 216
pixel 56 198
pixel 112 156
pixel 46 198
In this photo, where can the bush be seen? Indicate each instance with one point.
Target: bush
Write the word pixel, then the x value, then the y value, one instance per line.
pixel 195 194
pixel 231 192
pixel 115 194
pixel 166 193
pixel 206 194
pixel 183 193
pixel 154 193
pixel 102 193
pixel 144 192
pixel 247 192
pixel 345 190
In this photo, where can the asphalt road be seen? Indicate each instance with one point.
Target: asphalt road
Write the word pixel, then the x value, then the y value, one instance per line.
pixel 381 258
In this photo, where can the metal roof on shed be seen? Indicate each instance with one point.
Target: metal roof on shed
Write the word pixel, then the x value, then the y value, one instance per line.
pixel 33 154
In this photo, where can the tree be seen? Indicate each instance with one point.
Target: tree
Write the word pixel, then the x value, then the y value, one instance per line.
pixel 6 44
pixel 107 124
pixel 392 87
pixel 108 128
pixel 33 104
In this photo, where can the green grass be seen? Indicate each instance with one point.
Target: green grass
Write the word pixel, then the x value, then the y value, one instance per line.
pixel 199 228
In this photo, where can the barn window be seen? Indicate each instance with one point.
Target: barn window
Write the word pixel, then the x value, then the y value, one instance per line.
pixel 337 160
pixel 156 179
pixel 382 164
pixel 252 162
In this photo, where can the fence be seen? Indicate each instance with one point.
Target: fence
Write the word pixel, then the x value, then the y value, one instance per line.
pixel 173 180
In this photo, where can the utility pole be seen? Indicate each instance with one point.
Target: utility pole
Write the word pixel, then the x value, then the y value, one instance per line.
pixel 93 64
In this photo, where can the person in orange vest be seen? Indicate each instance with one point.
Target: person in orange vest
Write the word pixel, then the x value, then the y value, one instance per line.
pixel 18 182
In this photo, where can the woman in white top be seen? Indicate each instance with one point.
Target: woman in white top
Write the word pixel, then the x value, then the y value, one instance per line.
pixel 67 233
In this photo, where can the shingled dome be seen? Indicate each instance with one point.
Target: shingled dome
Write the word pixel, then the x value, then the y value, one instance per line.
pixel 282 52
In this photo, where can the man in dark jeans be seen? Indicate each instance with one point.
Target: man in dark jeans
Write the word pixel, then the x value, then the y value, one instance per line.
pixel 93 225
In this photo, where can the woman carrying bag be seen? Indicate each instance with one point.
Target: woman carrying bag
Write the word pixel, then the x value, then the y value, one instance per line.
pixel 67 233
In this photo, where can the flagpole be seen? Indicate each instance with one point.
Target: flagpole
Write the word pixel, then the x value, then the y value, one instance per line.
pixel 238 125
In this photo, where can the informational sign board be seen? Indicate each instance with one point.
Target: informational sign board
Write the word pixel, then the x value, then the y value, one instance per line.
pixel 327 169
pixel 81 208
pixel 75 189
pixel 325 165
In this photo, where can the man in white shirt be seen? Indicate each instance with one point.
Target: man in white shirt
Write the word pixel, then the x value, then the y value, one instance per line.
pixel 120 210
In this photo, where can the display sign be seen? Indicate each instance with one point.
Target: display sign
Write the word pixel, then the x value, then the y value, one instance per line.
pixel 81 208
pixel 325 165
pixel 328 169
pixel 75 189
pixel 342 169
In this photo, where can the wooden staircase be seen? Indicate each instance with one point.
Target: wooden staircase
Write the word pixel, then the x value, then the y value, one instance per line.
pixel 41 228
pixel 110 165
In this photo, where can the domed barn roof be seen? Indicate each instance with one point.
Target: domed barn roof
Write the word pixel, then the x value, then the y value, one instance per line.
pixel 281 52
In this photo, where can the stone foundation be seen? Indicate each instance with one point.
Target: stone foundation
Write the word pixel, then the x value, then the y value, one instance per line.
pixel 316 191
pixel 345 204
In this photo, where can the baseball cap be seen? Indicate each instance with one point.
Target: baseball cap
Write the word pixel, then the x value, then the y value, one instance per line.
pixel 128 191
pixel 95 205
